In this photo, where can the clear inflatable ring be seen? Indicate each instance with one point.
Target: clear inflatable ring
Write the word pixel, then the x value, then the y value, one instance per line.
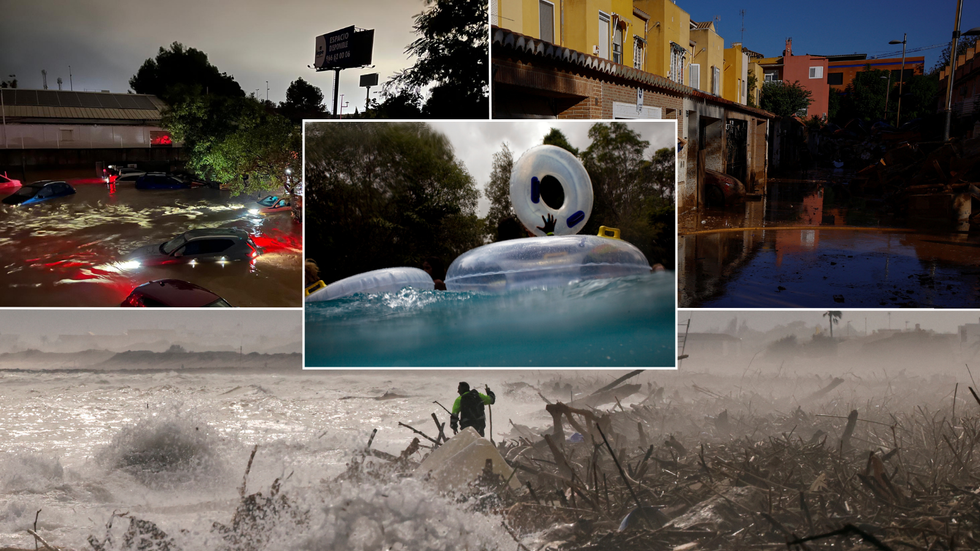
pixel 385 280
pixel 547 180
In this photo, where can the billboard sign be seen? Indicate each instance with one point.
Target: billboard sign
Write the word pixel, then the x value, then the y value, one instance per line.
pixel 344 49
pixel 369 80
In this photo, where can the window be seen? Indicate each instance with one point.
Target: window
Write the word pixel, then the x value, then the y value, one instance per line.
pixel 816 72
pixel 207 246
pixel 715 80
pixel 835 79
pixel 638 49
pixel 770 77
pixel 695 76
pixel 618 44
pixel 546 14
pixel 603 36
pixel 677 55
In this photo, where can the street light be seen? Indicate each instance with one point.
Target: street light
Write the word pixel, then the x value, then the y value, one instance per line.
pixel 901 79
pixel 952 65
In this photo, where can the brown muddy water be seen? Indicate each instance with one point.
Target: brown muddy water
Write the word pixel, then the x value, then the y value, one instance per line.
pixel 810 244
pixel 66 252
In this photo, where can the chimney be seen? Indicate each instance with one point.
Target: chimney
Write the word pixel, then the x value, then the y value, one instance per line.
pixel 789 47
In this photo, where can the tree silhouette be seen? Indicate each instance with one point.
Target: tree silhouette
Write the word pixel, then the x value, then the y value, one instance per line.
pixel 178 71
pixel 451 53
pixel 303 101
pixel 833 318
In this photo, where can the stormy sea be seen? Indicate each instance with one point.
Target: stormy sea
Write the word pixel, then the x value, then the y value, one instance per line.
pixel 112 458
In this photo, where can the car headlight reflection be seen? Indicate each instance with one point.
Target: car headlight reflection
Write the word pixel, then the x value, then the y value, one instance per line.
pixel 129 265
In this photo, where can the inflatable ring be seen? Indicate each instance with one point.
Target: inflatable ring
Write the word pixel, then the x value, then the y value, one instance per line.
pixel 549 180
pixel 543 262
pixel 386 280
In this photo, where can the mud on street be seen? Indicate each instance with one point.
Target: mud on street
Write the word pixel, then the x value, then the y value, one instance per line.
pixel 67 252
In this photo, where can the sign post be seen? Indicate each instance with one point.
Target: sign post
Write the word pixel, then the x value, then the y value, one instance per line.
pixel 367 81
pixel 343 49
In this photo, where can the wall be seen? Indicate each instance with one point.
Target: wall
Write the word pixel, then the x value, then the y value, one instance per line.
pixel 850 69
pixel 709 52
pixel 797 68
pixel 48 136
pixel 734 74
pixel 668 23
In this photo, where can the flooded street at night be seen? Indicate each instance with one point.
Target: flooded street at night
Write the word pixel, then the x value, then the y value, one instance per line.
pixel 812 244
pixel 69 251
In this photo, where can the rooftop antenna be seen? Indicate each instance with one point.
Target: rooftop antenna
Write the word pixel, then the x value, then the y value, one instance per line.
pixel 70 85
pixel 59 83
pixel 742 12
pixel 44 79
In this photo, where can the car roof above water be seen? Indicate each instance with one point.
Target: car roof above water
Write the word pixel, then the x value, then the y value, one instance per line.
pixel 215 232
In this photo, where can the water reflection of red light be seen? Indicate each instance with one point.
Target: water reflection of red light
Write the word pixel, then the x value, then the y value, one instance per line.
pixel 278 241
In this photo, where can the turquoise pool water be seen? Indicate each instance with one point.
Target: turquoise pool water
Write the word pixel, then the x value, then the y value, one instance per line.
pixel 622 322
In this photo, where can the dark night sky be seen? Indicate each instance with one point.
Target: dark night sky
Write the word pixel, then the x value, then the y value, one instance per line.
pixel 106 41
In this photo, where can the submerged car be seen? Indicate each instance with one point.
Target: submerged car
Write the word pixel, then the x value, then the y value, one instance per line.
pixel 196 246
pixel 124 173
pixel 36 192
pixel 271 204
pixel 8 182
pixel 173 293
pixel 160 180
pixel 722 190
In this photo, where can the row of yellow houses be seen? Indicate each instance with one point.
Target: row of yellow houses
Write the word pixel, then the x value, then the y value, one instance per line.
pixel 655 36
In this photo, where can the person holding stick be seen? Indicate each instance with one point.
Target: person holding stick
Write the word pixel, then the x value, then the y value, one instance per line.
pixel 468 410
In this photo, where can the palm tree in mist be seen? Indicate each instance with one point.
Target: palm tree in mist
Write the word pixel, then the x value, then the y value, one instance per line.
pixel 833 317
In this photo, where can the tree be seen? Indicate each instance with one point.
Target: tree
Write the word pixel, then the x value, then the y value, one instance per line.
pixel 864 97
pixel 178 72
pixel 752 83
pixel 303 101
pixel 833 318
pixel 12 83
pixel 382 195
pixel 498 191
pixel 630 192
pixel 920 97
pixel 451 53
pixel 785 100
pixel 557 138
pixel 962 45
pixel 236 141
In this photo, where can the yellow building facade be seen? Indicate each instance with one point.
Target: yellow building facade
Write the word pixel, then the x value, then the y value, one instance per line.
pixel 668 49
pixel 605 28
pixel 708 59
pixel 655 36
pixel 735 74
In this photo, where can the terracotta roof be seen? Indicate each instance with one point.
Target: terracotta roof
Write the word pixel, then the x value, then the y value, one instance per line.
pixel 528 45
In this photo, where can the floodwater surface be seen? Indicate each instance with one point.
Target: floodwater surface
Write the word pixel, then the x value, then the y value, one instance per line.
pixel 827 267
pixel 627 321
pixel 67 251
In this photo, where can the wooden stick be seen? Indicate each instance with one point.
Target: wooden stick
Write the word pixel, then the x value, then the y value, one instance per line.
pixel 371 439
pixel 418 432
pixel 241 491
pixel 442 435
pixel 629 487
pixel 38 538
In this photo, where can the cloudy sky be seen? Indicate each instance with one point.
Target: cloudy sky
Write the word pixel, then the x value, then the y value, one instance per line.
pixel 475 142
pixel 946 321
pixel 106 41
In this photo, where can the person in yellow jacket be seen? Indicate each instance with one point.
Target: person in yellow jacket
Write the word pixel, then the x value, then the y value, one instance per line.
pixel 468 409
